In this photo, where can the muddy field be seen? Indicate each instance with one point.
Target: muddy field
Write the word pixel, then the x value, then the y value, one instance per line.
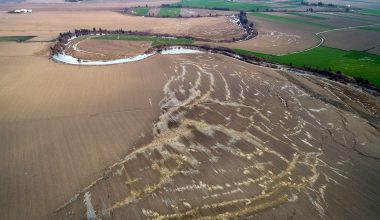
pixel 46 5
pixel 354 39
pixel 191 136
pixel 277 38
pixel 96 49
pixel 197 136
pixel 46 25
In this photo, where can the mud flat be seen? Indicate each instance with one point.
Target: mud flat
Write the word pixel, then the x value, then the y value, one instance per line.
pixel 239 140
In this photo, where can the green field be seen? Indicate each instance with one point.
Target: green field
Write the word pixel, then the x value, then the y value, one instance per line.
pixel 375 12
pixel 155 40
pixel 371 28
pixel 307 16
pixel 169 12
pixel 221 4
pixel 15 38
pixel 351 63
pixel 141 11
pixel 286 19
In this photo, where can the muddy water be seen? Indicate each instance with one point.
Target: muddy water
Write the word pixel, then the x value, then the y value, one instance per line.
pixel 236 140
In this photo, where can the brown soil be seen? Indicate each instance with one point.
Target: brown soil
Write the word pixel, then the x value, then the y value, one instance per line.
pixel 94 49
pixel 173 134
pixel 353 39
pixel 192 12
pixel 199 136
pixel 277 38
pixel 46 25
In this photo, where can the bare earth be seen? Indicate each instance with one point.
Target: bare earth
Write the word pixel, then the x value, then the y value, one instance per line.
pixel 96 49
pixel 353 39
pixel 197 136
pixel 182 136
pixel 46 25
pixel 277 38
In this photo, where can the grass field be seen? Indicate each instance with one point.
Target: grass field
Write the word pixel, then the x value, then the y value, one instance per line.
pixel 286 19
pixel 15 38
pixel 155 40
pixel 351 63
pixel 307 16
pixel 375 12
pixel 372 28
pixel 221 4
pixel 169 12
pixel 141 11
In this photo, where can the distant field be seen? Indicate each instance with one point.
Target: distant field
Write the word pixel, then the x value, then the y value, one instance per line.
pixel 287 19
pixel 351 63
pixel 141 11
pixel 221 4
pixel 15 38
pixel 169 12
pixel 372 28
pixel 155 40
pixel 307 16
pixel 375 12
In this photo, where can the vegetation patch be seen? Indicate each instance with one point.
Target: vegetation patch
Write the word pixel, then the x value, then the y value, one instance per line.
pixel 154 39
pixel 16 38
pixel 371 28
pixel 220 4
pixel 141 11
pixel 357 64
pixel 287 20
pixel 375 12
pixel 307 16
pixel 169 12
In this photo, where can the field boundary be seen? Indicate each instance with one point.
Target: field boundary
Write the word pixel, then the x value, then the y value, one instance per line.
pixel 128 11
pixel 322 39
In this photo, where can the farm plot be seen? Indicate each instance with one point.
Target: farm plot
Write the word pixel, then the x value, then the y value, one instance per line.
pixel 99 49
pixel 353 39
pixel 169 12
pixel 277 38
pixel 154 39
pixel 194 12
pixel 221 4
pixel 16 38
pixel 141 11
pixel 233 140
pixel 286 19
pixel 216 28
pixel 352 63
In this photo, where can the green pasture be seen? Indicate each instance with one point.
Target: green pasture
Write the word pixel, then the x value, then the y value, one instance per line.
pixel 154 39
pixel 141 11
pixel 287 20
pixel 352 63
pixel 15 38
pixel 221 4
pixel 169 12
pixel 307 15
pixel 374 12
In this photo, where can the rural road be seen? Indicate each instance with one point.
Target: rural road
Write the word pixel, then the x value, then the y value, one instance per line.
pixel 322 39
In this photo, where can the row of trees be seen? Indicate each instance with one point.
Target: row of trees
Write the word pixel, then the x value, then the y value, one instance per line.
pixel 320 4
pixel 64 37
